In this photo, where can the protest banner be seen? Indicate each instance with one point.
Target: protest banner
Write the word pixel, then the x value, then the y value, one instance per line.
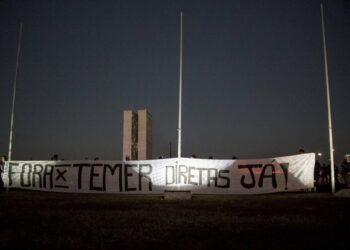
pixel 200 176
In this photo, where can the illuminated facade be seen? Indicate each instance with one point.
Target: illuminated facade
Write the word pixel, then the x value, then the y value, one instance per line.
pixel 137 135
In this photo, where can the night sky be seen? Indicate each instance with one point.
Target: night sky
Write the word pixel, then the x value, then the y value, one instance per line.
pixel 253 76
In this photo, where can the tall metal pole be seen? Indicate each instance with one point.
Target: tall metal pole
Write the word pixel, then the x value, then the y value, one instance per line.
pixel 14 91
pixel 331 149
pixel 179 130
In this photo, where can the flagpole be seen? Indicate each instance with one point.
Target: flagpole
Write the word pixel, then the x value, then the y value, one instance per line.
pixel 179 130
pixel 331 148
pixel 14 90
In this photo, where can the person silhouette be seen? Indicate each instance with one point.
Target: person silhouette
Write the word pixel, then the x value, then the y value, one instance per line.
pixel 2 166
pixel 54 157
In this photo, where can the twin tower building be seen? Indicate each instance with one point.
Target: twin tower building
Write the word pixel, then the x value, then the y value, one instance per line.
pixel 137 135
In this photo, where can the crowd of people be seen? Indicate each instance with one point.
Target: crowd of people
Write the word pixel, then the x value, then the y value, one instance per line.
pixel 322 173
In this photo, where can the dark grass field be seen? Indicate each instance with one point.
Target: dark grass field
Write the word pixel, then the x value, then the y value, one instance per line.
pixel 42 220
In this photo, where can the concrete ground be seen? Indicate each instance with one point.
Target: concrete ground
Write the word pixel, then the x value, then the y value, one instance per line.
pixel 43 220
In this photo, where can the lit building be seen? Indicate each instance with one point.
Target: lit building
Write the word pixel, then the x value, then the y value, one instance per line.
pixel 137 135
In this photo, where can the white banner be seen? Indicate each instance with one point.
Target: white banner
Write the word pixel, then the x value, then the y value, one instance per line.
pixel 200 176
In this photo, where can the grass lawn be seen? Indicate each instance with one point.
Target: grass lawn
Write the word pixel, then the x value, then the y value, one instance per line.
pixel 43 220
